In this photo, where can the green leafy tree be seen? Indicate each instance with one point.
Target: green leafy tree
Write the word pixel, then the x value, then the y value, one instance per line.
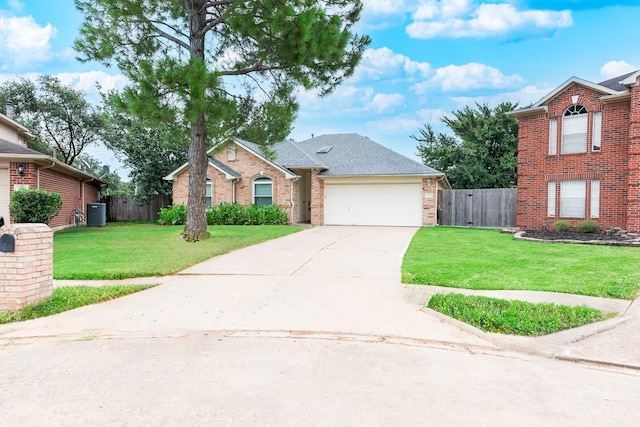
pixel 483 152
pixel 94 167
pixel 150 150
pixel 221 67
pixel 57 114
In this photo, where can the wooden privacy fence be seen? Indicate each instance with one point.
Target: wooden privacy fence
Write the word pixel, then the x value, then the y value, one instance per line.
pixel 490 208
pixel 126 208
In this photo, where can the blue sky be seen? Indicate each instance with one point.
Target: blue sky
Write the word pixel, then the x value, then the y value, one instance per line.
pixel 427 58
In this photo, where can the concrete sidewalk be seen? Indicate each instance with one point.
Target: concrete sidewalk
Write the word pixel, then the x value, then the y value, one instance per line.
pixel 335 280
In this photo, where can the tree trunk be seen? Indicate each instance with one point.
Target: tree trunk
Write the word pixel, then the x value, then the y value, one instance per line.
pixel 196 226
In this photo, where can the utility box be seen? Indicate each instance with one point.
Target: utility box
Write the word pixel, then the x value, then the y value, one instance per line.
pixel 96 214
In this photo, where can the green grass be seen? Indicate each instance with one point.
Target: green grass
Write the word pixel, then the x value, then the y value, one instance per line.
pixel 488 259
pixel 123 250
pixel 68 298
pixel 514 317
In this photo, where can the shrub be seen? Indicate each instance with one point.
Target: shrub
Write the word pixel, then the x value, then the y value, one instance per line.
pixel 561 226
pixel 34 206
pixel 588 227
pixel 229 214
pixel 274 215
pixel 173 215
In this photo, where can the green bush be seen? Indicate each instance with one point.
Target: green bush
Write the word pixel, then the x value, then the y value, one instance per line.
pixel 173 215
pixel 588 227
pixel 274 215
pixel 228 214
pixel 34 206
pixel 561 226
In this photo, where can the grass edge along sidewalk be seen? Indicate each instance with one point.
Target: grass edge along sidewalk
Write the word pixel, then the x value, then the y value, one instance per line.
pixel 488 259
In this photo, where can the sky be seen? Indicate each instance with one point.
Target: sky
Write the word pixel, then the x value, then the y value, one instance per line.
pixel 427 59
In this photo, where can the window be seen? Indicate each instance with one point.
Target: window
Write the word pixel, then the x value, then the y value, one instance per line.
pixel 231 153
pixel 553 136
pixel 209 192
pixel 574 130
pixel 596 131
pixel 572 199
pixel 551 198
pixel 595 198
pixel 262 191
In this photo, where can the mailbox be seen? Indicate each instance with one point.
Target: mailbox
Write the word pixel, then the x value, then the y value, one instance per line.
pixel 7 243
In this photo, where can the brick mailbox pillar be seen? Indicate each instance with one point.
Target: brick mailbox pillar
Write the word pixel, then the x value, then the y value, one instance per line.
pixel 26 265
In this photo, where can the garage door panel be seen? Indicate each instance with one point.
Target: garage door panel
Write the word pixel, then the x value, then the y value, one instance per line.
pixel 373 204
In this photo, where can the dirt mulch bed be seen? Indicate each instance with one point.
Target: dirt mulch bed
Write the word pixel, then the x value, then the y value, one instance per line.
pixel 574 235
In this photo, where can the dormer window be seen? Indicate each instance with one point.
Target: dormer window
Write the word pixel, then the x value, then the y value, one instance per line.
pixel 574 130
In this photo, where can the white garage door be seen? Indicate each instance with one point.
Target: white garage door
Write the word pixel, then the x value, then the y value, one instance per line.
pixel 4 194
pixel 373 204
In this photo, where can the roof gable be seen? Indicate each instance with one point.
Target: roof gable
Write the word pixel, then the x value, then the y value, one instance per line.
pixel 575 80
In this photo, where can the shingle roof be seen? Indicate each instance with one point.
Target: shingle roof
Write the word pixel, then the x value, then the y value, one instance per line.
pixel 351 155
pixel 614 83
pixel 226 169
pixel 7 147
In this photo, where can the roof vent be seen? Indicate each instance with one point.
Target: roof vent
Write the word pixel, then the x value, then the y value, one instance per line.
pixel 324 149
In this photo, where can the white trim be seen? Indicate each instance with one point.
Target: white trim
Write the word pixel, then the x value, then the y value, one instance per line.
pixel 253 187
pixel 553 136
pixel 596 131
pixel 579 81
pixel 594 210
pixel 551 199
pixel 631 80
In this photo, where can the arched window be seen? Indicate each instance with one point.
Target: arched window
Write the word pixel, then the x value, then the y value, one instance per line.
pixel 262 191
pixel 574 130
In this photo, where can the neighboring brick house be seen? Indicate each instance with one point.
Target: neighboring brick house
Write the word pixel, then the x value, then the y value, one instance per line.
pixel 21 167
pixel 579 155
pixel 343 179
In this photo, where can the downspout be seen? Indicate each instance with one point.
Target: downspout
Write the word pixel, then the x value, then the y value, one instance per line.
pixel 233 190
pixel 38 175
pixel 82 195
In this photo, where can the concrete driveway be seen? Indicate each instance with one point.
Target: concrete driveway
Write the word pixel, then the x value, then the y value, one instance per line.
pixel 324 280
pixel 311 329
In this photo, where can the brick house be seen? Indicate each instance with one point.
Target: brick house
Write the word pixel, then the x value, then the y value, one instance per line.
pixel 343 179
pixel 579 155
pixel 21 167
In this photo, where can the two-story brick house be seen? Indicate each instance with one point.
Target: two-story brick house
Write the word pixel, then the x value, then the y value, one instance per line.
pixel 579 155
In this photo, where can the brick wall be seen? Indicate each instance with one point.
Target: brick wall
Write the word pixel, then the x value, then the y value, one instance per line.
pixel 633 180
pixel 317 198
pixel 610 165
pixel 429 201
pixel 70 189
pixel 250 167
pixel 26 275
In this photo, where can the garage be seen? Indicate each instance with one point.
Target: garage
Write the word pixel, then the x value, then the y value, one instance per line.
pixel 394 202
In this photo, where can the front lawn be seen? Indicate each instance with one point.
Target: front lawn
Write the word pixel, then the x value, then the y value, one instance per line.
pixel 488 259
pixel 514 317
pixel 123 250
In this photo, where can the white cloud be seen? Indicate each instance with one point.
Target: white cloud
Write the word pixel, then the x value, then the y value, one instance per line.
pixel 87 81
pixel 467 77
pixel 23 41
pixel 16 6
pixel 386 7
pixel 383 62
pixel 616 68
pixel 383 102
pixel 460 18
pixel 430 115
pixel 523 97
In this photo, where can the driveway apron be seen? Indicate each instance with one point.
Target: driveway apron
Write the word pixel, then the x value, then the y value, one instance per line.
pixel 323 281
